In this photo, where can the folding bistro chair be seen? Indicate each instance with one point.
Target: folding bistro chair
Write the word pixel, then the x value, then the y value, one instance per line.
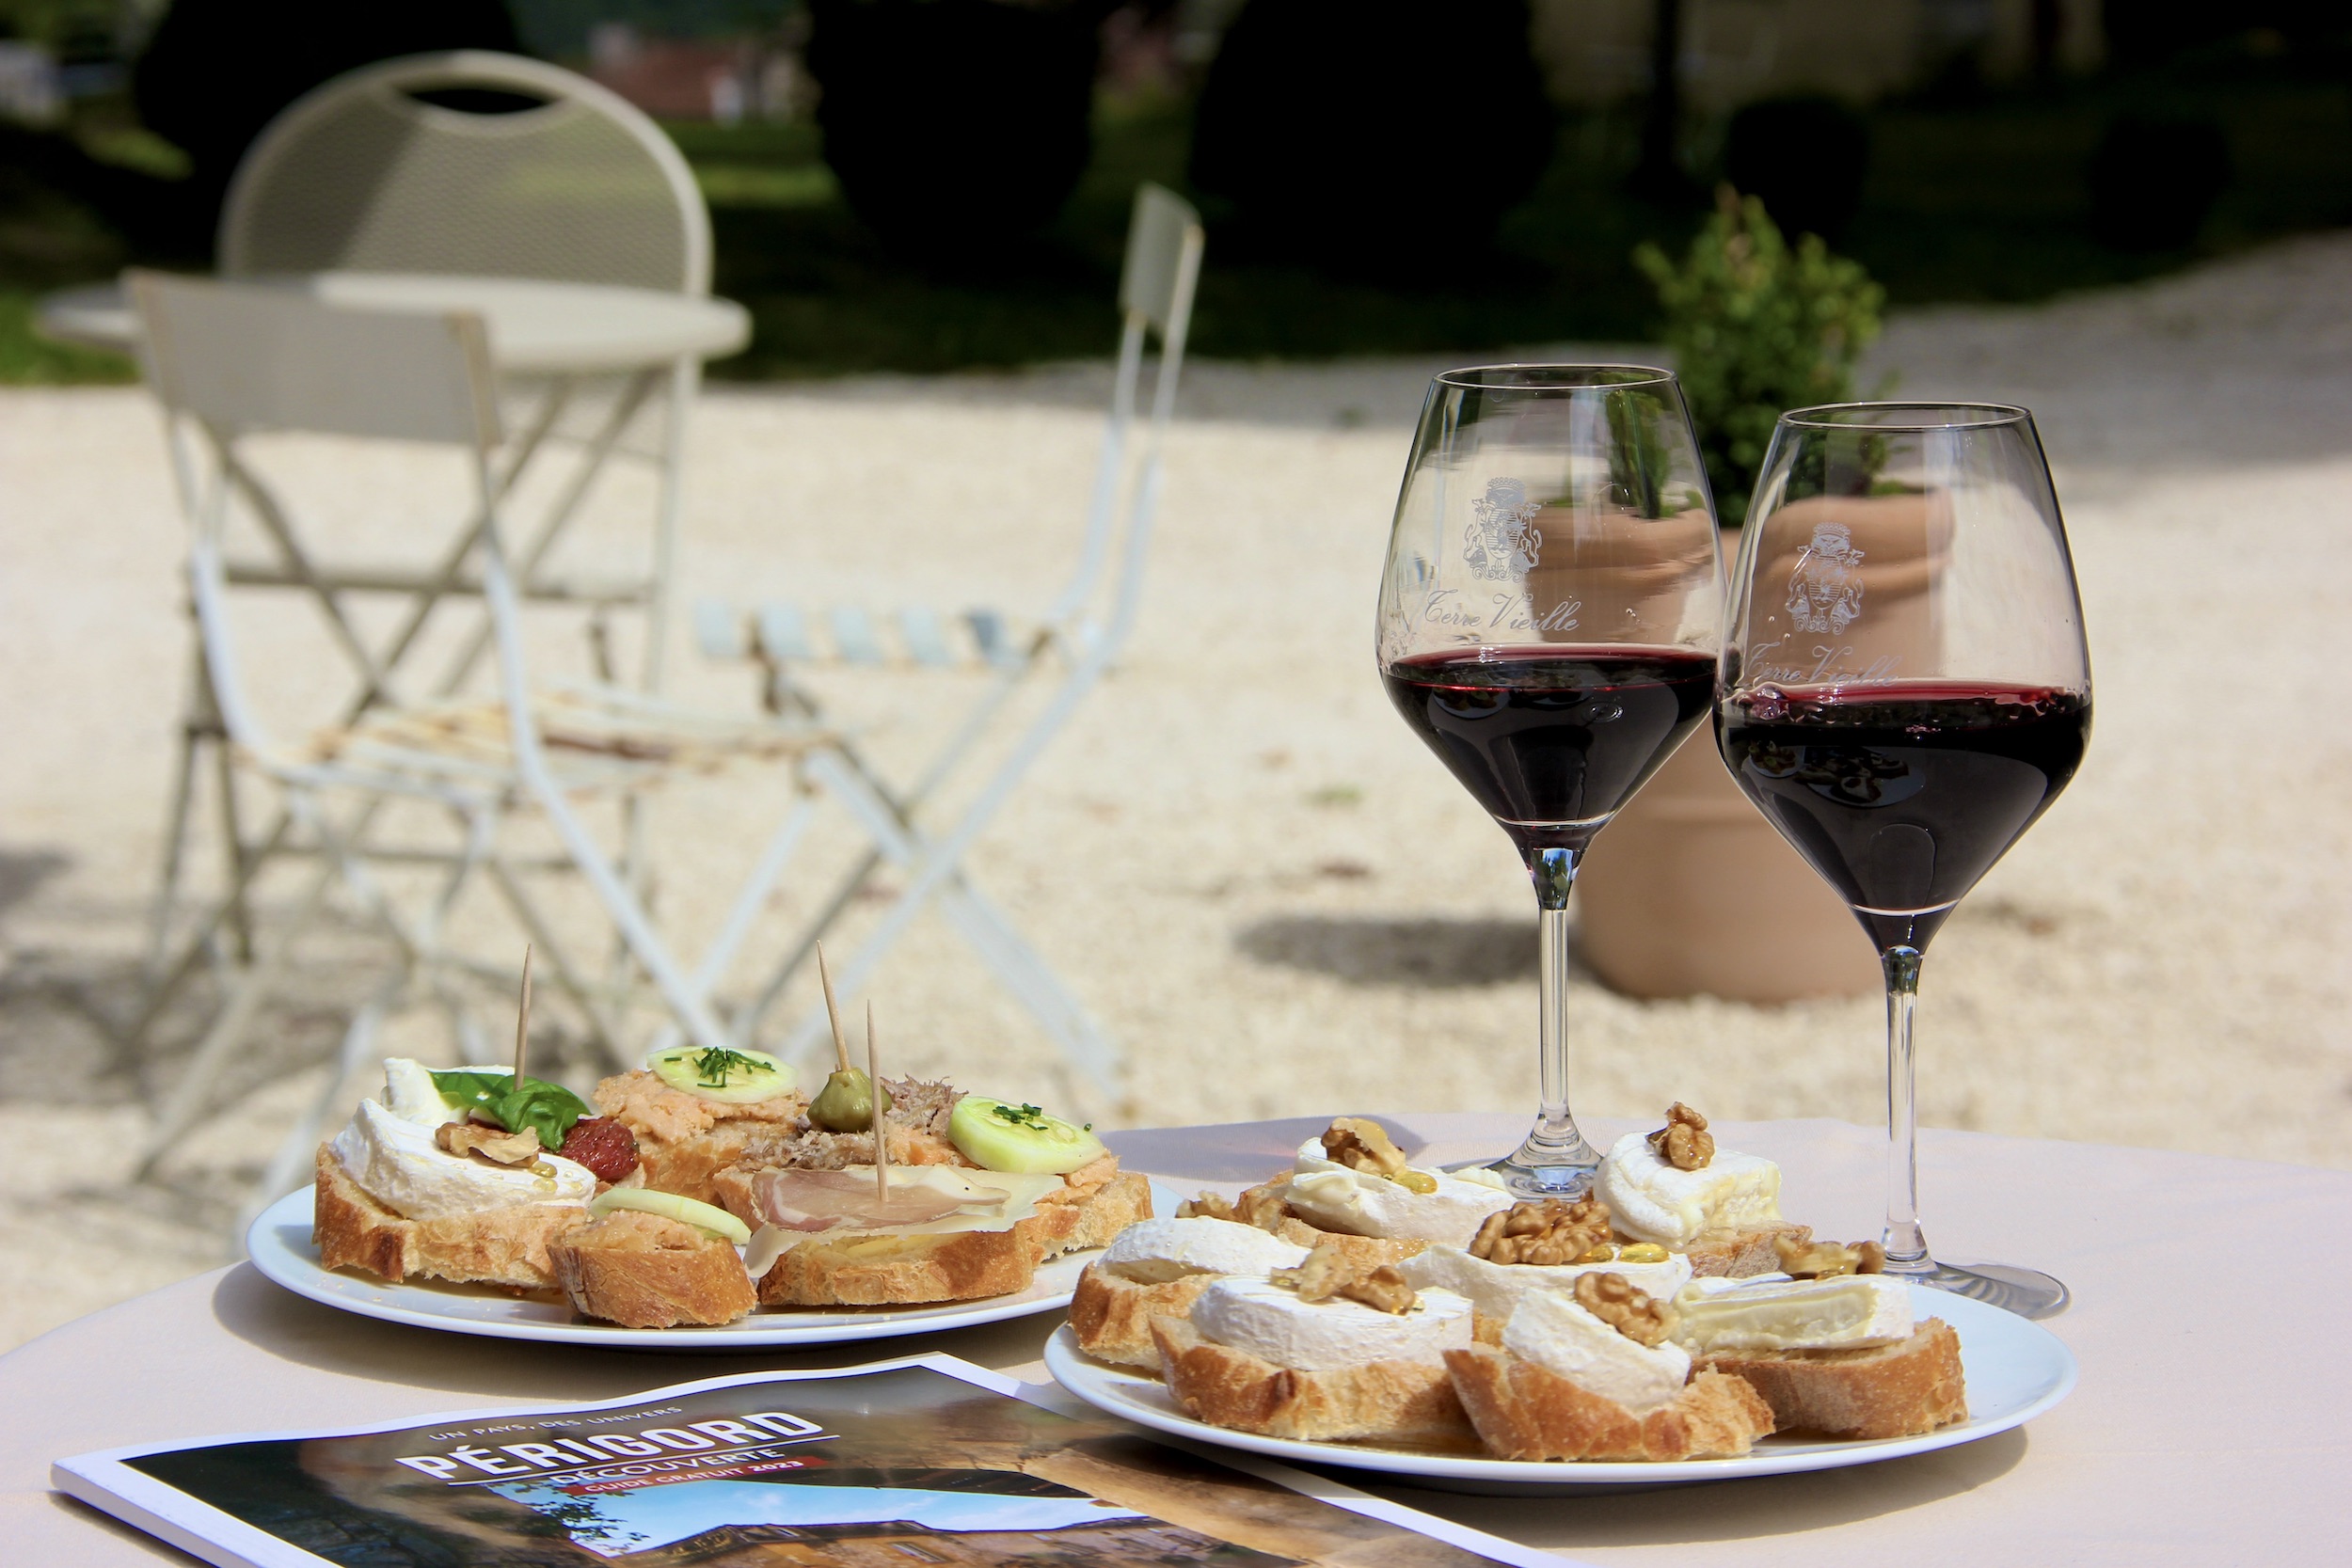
pixel 231 361
pixel 397 168
pixel 1066 651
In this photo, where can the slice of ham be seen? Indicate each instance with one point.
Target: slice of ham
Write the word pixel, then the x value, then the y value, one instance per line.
pixel 812 1200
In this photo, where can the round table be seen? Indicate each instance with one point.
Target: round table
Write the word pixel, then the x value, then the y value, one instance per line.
pixel 535 328
pixel 2209 1426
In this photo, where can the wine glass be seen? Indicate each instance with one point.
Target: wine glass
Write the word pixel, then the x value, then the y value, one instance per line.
pixel 1904 690
pixel 1548 621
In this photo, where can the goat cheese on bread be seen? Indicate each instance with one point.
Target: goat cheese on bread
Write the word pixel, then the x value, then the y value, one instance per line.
pixel 1652 1202
pixel 1152 1252
pixel 1272 1322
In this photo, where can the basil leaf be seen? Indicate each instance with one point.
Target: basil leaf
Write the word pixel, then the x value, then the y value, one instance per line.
pixel 547 1109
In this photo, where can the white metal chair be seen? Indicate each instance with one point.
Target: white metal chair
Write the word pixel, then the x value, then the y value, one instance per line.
pixel 1069 645
pixel 231 361
pixel 382 171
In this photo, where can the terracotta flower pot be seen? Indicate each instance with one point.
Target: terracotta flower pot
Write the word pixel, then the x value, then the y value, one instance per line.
pixel 1690 890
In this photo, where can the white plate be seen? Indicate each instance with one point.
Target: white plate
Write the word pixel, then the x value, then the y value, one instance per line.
pixel 279 1245
pixel 2015 1370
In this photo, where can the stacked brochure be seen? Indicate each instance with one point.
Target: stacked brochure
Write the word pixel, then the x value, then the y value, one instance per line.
pixel 923 1460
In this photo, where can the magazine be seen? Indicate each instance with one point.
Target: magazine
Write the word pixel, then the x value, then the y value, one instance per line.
pixel 925 1459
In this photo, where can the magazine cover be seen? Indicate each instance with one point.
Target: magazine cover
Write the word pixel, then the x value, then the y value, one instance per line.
pixel 926 1459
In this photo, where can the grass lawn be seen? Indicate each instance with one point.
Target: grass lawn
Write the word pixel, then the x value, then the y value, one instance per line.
pixel 1973 201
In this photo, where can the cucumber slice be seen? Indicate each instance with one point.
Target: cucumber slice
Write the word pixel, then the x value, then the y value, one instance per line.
pixel 730 1077
pixel 670 1206
pixel 1021 1139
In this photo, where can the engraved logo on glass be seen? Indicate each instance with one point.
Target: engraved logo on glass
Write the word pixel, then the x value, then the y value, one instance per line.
pixel 1825 592
pixel 1500 542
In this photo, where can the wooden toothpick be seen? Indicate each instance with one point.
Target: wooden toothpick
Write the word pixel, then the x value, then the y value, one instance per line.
pixel 522 1019
pixel 882 1140
pixel 832 1010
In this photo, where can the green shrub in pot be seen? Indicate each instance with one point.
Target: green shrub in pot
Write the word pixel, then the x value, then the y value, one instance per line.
pixel 1757 327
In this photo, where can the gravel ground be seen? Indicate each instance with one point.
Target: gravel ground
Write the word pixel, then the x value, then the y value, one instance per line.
pixel 1237 856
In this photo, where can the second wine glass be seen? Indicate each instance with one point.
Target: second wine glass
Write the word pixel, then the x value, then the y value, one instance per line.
pixel 1548 625
pixel 1905 689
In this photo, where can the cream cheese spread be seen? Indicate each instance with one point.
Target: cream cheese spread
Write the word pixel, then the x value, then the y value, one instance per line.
pixel 1153 1251
pixel 1652 1202
pixel 1843 1313
pixel 397 1162
pixel 1497 1289
pixel 1359 1203
pixel 1560 1337
pixel 1266 1320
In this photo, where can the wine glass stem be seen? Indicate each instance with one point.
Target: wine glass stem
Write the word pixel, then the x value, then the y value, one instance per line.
pixel 1555 1144
pixel 1906 1245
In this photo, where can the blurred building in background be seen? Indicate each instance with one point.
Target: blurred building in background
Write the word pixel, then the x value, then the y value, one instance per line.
pixel 1597 53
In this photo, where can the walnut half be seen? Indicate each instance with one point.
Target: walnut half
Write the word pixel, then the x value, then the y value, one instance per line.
pixel 1636 1314
pixel 1365 1145
pixel 1824 1259
pixel 1327 1271
pixel 497 1147
pixel 1549 1231
pixel 1684 1142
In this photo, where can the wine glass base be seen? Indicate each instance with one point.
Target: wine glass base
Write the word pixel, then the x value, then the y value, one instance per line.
pixel 1540 1182
pixel 2027 1292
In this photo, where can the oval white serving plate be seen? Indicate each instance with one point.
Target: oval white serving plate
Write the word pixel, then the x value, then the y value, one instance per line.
pixel 2015 1368
pixel 279 1245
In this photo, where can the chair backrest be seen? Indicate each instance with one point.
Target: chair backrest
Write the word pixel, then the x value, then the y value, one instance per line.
pixel 1154 282
pixel 231 360
pixel 241 357
pixel 364 174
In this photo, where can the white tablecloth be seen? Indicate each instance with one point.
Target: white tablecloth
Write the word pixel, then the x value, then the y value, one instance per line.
pixel 2210 1426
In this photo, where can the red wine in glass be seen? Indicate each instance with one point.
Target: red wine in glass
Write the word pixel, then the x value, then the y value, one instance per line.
pixel 1550 739
pixel 1901 794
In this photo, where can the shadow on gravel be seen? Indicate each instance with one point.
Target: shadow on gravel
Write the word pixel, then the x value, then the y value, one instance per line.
pixel 1431 953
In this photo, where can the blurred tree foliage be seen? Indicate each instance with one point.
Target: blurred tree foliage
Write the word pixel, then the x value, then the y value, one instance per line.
pixel 1757 329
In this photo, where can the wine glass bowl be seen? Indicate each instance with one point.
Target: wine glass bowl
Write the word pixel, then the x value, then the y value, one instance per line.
pixel 1548 625
pixel 1906 689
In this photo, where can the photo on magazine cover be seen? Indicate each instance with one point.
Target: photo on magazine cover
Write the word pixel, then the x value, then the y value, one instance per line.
pixel 898 1468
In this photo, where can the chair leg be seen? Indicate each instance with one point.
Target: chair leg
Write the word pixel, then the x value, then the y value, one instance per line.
pixel 175 849
pixel 287 1165
pixel 603 1032
pixel 228 1028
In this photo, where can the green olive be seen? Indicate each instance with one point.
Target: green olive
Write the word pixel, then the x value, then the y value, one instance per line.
pixel 1019 1138
pixel 846 1104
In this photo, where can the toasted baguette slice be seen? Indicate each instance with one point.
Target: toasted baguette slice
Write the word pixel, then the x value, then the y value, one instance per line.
pixel 490 1246
pixel 1409 1404
pixel 1100 1200
pixel 891 1268
pixel 1898 1390
pixel 643 1271
pixel 1112 1315
pixel 1524 1411
pixel 1738 1254
pixel 1095 1203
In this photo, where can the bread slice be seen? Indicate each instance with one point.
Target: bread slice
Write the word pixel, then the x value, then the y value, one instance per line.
pixel 1406 1403
pixel 891 1268
pixel 643 1271
pixel 683 1140
pixel 1524 1411
pixel 490 1246
pixel 1897 1390
pixel 1112 1315
pixel 1740 1254
pixel 1093 1204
